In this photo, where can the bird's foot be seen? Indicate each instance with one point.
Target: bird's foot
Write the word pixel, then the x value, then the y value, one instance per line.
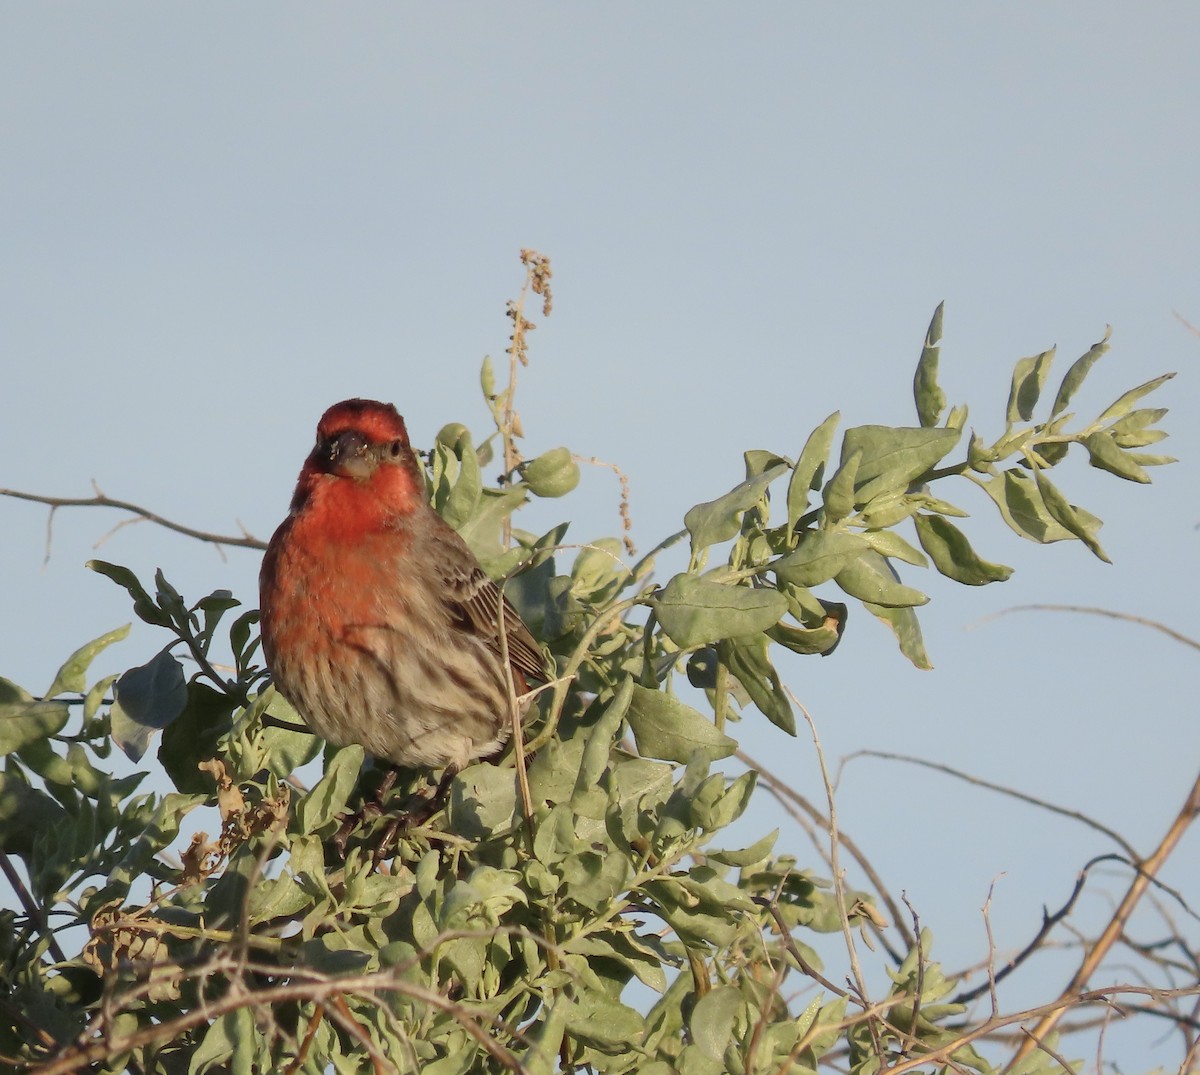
pixel 371 809
pixel 422 805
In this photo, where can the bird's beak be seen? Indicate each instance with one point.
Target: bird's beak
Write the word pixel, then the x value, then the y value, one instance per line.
pixel 350 456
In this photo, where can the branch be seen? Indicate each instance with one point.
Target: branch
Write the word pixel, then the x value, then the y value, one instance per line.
pixel 323 991
pixel 1116 926
pixel 100 500
pixel 1091 611
pixel 35 912
pixel 1055 1009
pixel 1049 921
pixel 938 767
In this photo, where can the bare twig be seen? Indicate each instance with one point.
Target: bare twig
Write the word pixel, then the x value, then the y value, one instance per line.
pixel 340 1013
pixel 32 909
pixel 1186 323
pixel 1036 1043
pixel 839 878
pixel 790 944
pixel 1116 926
pixel 1089 610
pixel 1049 921
pixel 919 986
pixel 1012 793
pixel 991 942
pixel 245 541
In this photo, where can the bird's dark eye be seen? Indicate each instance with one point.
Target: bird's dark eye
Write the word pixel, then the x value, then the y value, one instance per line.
pixel 395 448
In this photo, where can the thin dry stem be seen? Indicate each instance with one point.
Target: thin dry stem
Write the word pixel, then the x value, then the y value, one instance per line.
pixel 1002 789
pixel 1090 610
pixel 839 879
pixel 625 513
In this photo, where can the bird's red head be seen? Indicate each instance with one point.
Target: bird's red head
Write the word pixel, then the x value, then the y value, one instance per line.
pixel 377 421
pixel 362 445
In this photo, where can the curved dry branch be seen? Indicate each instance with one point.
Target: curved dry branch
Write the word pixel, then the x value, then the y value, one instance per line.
pixel 1012 793
pixel 1091 610
pixel 100 500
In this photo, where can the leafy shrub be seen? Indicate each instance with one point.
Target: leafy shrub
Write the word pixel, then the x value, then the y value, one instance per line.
pixel 506 931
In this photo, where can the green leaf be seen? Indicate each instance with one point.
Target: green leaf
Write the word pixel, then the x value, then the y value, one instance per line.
pixel 25 722
pixel 1136 421
pixel 665 728
pixel 483 801
pixel 1140 438
pixel 1125 403
pixel 890 508
pixel 1016 494
pixel 871 578
pixel 929 397
pixel 808 640
pixel 604 733
pixel 214 606
pixel 464 496
pixel 1076 374
pixel 545 1038
pixel 239 635
pixel 747 659
pixel 482 531
pixel 717 805
pixel 25 813
pixel 143 606
pixel 1028 380
pixel 72 676
pixel 756 852
pixel 170 600
pixel 894 457
pixel 820 555
pixel 694 610
pixel 1144 460
pixel 1105 455
pixel 598 571
pixel 719 520
pixel 1079 523
pixel 712 1019
pixel 216 1046
pixel 285 749
pixel 321 805
pixel 952 554
pixel 193 736
pixel 145 700
pixel 838 496
pixel 889 543
pixel 598 1020
pixel 809 467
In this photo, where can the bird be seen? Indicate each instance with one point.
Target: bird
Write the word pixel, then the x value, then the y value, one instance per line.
pixel 378 623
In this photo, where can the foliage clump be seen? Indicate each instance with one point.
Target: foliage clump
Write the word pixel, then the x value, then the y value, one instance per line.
pixel 509 930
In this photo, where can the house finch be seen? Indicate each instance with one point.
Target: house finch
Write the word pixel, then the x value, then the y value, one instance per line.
pixel 378 623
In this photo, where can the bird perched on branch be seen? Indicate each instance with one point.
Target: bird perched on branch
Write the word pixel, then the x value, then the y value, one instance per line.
pixel 378 623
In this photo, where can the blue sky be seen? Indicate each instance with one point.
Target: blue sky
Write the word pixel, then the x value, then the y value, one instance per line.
pixel 220 219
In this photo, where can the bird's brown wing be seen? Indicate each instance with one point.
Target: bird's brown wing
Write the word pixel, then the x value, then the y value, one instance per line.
pixel 481 602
